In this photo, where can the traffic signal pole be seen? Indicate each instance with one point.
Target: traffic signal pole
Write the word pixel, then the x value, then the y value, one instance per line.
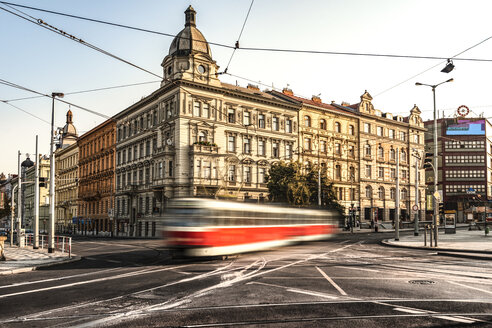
pixel 35 244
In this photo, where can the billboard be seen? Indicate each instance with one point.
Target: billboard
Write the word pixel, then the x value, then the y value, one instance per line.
pixel 466 128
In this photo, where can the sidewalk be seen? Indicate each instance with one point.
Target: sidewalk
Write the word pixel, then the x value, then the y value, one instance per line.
pixel 29 259
pixel 464 243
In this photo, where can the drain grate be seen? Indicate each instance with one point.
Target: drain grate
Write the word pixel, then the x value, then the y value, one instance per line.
pixel 422 282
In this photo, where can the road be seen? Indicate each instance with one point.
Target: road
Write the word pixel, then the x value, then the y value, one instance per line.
pixel 348 281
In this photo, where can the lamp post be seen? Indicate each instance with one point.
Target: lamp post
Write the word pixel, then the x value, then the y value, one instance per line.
pixel 436 165
pixel 51 233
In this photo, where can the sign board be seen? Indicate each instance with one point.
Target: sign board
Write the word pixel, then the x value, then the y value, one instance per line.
pixel 466 127
pixel 437 195
pixel 415 207
pixel 471 191
pixel 430 203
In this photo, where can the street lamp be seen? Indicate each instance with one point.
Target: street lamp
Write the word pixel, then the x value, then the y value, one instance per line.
pixel 436 165
pixel 51 233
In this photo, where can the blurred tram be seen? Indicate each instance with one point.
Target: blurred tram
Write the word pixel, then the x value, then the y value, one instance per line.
pixel 205 227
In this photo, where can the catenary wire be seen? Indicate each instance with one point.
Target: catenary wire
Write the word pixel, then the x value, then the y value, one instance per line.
pixel 90 90
pixel 239 37
pixel 25 111
pixel 262 49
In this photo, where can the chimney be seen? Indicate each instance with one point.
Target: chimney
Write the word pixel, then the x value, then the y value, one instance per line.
pixel 316 99
pixel 288 92
pixel 253 87
pixel 344 103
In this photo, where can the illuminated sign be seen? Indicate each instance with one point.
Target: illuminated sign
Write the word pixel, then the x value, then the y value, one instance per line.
pixel 466 127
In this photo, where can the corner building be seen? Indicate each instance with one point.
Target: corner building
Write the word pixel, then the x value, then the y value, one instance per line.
pixel 196 136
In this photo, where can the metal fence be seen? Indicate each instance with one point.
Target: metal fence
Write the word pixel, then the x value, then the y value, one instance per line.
pixel 62 244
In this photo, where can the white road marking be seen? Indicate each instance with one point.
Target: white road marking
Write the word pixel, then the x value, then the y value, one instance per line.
pixel 332 282
pixel 457 319
pixel 355 268
pixel 300 291
pixel 408 310
pixel 123 275
pixel 479 289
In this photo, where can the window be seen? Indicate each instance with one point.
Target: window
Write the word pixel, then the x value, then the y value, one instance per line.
pixel 288 151
pixel 381 192
pixel 403 156
pixel 351 130
pixel 231 115
pixel 207 170
pixel 202 136
pixel 322 146
pixel 261 175
pixel 118 158
pixel 247 118
pixel 381 172
pixel 368 171
pixel 338 149
pixel 160 170
pixel 288 125
pixel 368 192
pixel 416 138
pixel 322 124
pixel 393 173
pixel 275 126
pixel 261 147
pixel 275 149
pixel 147 175
pixel 231 144
pixel 367 128
pixel 392 193
pixel 246 145
pixel 307 121
pixel 352 173
pixel 367 150
pixel 392 154
pixel 352 151
pixel 196 109
pixel 147 148
pixel 338 127
pixel 247 174
pixel 403 136
pixel 392 134
pixel 170 168
pixel 123 156
pixel 338 172
pixel 307 143
pixel 261 121
pixel 135 151
pixel 380 152
pixel 232 173
pixel 206 110
pixel 141 153
pixel 404 194
pixel 379 131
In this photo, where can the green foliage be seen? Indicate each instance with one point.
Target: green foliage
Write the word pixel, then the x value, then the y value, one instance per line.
pixel 6 210
pixel 290 183
pixel 205 143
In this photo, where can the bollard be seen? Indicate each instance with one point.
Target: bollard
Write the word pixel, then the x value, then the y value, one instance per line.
pixel 431 233
pixel 70 247
pixel 425 235
pixel 63 244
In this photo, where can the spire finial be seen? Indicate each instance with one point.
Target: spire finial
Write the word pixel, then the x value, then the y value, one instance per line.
pixel 69 116
pixel 190 15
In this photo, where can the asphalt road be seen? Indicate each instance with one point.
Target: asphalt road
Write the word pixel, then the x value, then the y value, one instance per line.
pixel 348 281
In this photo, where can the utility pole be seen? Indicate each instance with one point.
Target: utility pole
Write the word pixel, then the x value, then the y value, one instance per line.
pixel 51 226
pixel 12 209
pixel 36 199
pixel 417 203
pixel 397 196
pixel 19 200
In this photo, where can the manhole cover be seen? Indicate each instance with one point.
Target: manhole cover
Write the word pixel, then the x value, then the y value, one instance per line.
pixel 422 282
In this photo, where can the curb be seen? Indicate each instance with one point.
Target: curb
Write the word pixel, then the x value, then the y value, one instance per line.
pixel 34 268
pixel 386 242
pixel 486 256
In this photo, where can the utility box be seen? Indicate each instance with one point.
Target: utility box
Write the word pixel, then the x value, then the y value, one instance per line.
pixel 450 222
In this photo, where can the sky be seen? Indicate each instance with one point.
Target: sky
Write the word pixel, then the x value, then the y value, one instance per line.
pixel 41 60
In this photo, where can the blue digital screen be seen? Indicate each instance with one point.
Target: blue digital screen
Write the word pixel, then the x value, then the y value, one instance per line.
pixel 466 128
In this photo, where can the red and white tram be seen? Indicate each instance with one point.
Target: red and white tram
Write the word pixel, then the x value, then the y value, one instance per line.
pixel 205 227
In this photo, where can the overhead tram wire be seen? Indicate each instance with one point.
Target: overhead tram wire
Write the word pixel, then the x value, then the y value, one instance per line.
pixel 236 46
pixel 17 86
pixel 254 48
pixel 41 23
pixel 25 111
pixel 90 90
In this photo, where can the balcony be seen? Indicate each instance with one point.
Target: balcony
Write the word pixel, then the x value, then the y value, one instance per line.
pixel 204 148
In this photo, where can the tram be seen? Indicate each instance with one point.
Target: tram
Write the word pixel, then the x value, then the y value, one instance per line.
pixel 196 227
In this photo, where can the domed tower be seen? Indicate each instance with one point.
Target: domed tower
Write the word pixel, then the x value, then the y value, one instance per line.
pixel 69 134
pixel 189 55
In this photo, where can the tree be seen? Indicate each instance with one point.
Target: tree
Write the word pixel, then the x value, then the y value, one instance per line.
pixel 290 183
pixel 4 212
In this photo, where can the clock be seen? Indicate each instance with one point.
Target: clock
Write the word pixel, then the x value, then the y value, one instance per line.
pixel 201 69
pixel 463 110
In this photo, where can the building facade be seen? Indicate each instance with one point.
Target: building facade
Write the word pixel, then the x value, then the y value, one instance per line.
pixel 66 174
pixel 196 136
pixel 383 139
pixel 96 178
pixel 464 163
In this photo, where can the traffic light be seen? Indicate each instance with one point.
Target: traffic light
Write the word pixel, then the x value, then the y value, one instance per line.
pixel 428 160
pixel 441 208
pixel 42 182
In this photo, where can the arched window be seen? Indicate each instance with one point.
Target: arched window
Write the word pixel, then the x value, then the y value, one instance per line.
pixel 351 129
pixel 404 194
pixel 367 148
pixel 307 121
pixel 352 173
pixel 202 136
pixel 338 127
pixel 381 192
pixel 403 157
pixel 322 124
pixel 392 154
pixel 392 193
pixel 338 172
pixel 380 152
pixel 368 192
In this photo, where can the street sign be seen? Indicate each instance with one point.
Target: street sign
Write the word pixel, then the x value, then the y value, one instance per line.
pixel 470 191
pixel 415 207
pixel 437 195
